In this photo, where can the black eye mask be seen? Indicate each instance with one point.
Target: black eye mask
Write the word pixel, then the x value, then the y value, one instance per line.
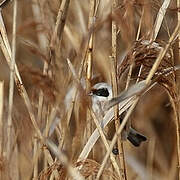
pixel 101 92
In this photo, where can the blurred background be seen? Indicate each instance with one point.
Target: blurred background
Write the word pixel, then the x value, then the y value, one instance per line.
pixel 83 34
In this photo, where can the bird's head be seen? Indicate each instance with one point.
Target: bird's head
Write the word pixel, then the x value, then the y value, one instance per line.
pixel 101 92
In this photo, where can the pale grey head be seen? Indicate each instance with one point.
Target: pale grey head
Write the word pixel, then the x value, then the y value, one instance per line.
pixel 101 93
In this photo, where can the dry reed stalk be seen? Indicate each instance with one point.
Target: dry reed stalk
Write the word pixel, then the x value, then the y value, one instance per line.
pixel 139 74
pixel 60 22
pixel 35 158
pixel 178 14
pixel 50 161
pixel 129 74
pixel 77 78
pixel 83 49
pixel 89 127
pixel 159 19
pixel 92 19
pixel 51 113
pixel 137 38
pixel 113 160
pixel 50 117
pixel 140 24
pixel 42 42
pixel 115 93
pixel 175 106
pixel 12 162
pixel 126 88
pixel 1 122
pixel 4 3
pixel 11 82
pixel 178 115
pixel 45 162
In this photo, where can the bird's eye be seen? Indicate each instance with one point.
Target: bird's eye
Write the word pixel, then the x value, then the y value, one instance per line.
pixel 101 92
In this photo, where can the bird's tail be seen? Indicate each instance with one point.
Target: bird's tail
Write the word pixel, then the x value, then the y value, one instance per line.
pixel 135 138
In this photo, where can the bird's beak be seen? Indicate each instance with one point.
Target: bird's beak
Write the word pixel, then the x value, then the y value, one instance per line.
pixel 90 93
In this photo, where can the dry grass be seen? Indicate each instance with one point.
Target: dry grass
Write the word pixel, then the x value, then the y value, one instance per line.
pixel 52 53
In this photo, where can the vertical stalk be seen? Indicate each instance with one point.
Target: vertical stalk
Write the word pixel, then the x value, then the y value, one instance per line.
pixel 1 120
pixel 140 25
pixel 90 46
pixel 178 14
pixel 175 107
pixel 60 22
pixel 11 82
pixel 177 114
pixel 115 91
pixel 42 39
pixel 159 19
pixel 89 69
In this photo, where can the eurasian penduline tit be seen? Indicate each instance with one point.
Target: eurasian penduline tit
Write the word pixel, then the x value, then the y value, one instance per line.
pixel 101 94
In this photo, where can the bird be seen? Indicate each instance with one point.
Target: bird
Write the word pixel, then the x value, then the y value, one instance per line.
pixel 101 94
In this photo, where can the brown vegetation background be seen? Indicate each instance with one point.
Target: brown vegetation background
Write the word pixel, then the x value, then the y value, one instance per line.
pixel 103 41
